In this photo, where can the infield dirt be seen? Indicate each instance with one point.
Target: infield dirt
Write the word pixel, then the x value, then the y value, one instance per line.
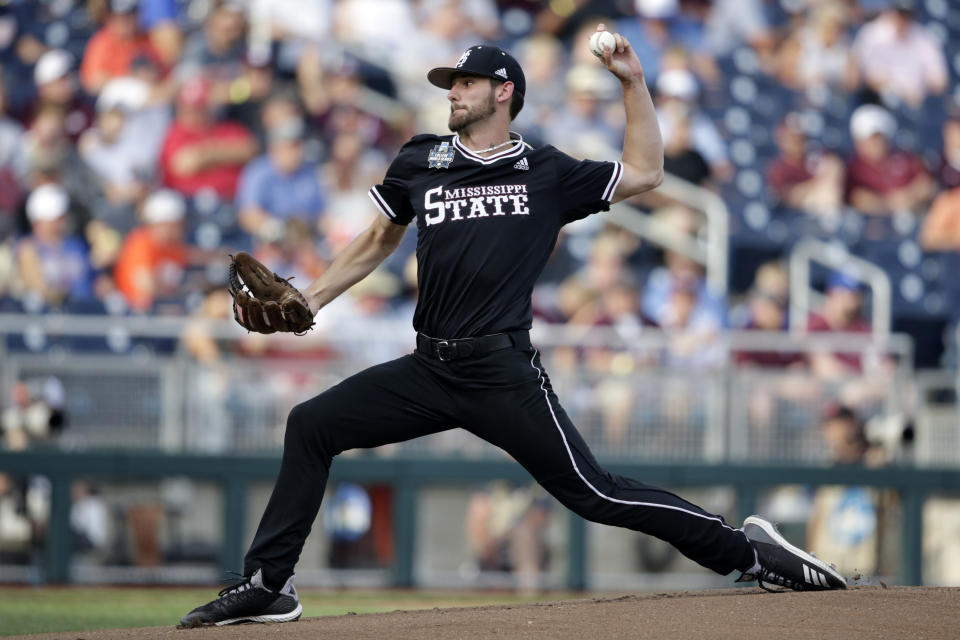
pixel 927 613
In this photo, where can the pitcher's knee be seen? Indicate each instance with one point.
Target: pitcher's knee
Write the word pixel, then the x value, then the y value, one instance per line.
pixel 306 433
pixel 299 423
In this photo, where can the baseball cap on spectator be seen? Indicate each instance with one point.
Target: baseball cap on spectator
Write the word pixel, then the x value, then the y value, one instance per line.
pixel 870 119
pixel 47 202
pixel 485 61
pixel 52 66
pixel 164 205
pixel 657 9
pixel 123 6
pixel 841 280
pixel 195 92
pixel 677 83
pixel 127 94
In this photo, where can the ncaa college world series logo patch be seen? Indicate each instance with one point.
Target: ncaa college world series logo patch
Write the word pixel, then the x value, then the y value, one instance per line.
pixel 441 156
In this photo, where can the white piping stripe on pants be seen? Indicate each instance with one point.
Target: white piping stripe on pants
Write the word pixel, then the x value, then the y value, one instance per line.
pixel 546 396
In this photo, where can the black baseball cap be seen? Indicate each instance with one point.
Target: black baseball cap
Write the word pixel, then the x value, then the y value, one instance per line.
pixel 485 61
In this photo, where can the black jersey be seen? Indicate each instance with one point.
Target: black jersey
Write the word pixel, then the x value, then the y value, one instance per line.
pixel 486 225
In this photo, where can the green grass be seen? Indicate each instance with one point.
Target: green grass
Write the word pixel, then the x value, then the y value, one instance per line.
pixel 26 610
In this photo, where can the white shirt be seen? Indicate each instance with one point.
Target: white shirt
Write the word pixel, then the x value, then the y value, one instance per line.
pixel 908 65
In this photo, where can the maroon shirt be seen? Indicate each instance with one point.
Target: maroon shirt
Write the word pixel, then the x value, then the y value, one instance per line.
pixel 785 173
pixel 895 171
pixel 818 323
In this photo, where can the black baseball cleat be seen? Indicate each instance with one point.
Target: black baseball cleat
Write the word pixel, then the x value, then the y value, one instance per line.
pixel 247 601
pixel 781 564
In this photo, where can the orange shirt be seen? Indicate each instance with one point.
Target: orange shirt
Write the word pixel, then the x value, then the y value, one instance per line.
pixel 145 269
pixel 108 54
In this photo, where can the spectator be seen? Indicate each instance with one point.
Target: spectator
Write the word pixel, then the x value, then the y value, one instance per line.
pixel 841 312
pixel 199 152
pixel 337 101
pixel 680 157
pixel 671 288
pixel 677 94
pixel 895 56
pixel 346 177
pixel 154 257
pixel 13 166
pixel 817 55
pixel 120 157
pixel 605 263
pixel 36 413
pixel 658 26
pixel 280 184
pixel 57 89
pixel 158 19
pixel 948 171
pixel 52 157
pixel 844 521
pixel 251 92
pixel 217 51
pixel 941 227
pixel 52 265
pixel 506 530
pixel 881 180
pixel 731 23
pixel 692 317
pixel 542 58
pixel 112 50
pixel 585 125
pixel 800 179
pixel 290 247
pixel 767 303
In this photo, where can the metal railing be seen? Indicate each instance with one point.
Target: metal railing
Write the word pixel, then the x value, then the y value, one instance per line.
pixel 641 396
pixel 711 249
pixel 839 258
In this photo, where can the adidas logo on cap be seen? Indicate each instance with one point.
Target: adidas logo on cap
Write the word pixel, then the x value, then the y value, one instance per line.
pixel 502 72
pixel 523 164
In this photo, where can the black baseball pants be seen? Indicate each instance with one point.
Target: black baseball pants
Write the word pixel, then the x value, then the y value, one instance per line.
pixel 504 397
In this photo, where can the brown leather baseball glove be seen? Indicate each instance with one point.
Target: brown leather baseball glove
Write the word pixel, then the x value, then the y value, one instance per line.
pixel 263 301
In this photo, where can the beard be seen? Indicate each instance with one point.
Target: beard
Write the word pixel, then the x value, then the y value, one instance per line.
pixel 462 118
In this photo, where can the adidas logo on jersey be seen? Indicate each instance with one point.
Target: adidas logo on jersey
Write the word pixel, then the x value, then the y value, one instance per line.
pixel 523 164
pixel 502 72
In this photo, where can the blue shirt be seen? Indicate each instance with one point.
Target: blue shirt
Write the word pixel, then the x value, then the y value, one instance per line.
pixel 282 195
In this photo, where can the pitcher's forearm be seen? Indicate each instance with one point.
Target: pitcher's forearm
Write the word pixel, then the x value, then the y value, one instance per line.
pixel 642 143
pixel 357 260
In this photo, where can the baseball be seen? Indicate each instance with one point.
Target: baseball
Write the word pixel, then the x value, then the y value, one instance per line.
pixel 602 39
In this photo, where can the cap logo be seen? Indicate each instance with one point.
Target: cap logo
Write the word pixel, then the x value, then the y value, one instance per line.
pixel 463 58
pixel 501 72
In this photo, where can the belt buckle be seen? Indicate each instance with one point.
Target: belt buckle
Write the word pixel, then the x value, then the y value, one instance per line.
pixel 444 350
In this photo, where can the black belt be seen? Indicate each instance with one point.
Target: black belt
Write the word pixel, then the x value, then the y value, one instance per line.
pixel 455 349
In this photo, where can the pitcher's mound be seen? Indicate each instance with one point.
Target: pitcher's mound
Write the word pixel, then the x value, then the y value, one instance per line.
pixel 740 614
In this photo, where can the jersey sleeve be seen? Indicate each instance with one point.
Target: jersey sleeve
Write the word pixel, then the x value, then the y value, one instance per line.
pixel 586 186
pixel 391 196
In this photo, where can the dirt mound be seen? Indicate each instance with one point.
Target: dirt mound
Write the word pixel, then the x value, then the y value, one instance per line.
pixel 740 614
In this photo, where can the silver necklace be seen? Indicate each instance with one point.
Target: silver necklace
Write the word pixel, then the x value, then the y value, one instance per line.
pixel 493 147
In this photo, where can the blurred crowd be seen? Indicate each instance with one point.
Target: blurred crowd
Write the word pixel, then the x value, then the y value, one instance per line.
pixel 141 141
